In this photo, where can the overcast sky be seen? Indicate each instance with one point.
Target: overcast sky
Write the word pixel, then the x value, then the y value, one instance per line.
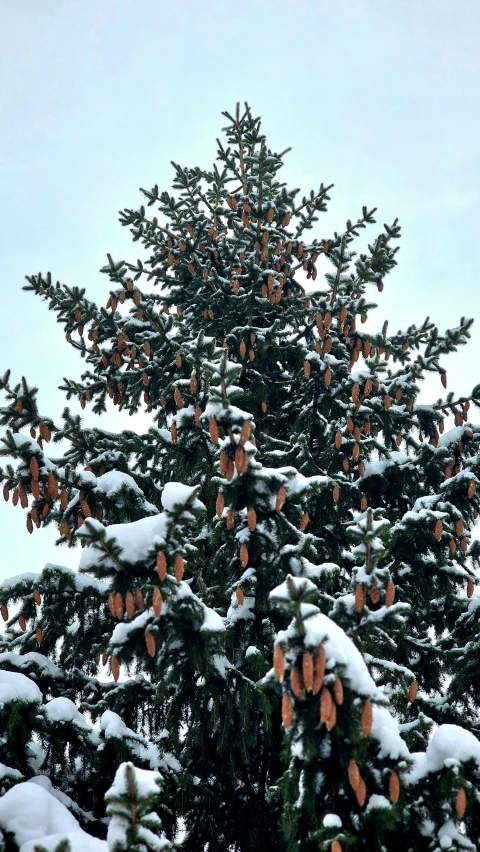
pixel 96 99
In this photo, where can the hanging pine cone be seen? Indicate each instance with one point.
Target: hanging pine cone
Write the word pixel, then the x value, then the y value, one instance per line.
pixel 471 489
pixel 37 597
pixel 319 665
pixel 39 635
pixel 278 663
pixel 281 498
pixel 178 398
pixel 350 426
pixel 361 792
pixel 363 504
pixel 230 518
pixel 345 465
pixel 355 393
pixel 252 519
pixel 213 430
pixel 129 604
pixel 161 565
pixel 296 682
pixel 118 604
pixel 4 612
pixel 470 588
pixel 438 530
pixel 367 718
pixel 459 528
pixel 463 544
pixel 242 349
pixel 387 402
pixel 245 433
pixel 223 462
pixel 326 704
pixel 327 378
pixel 239 461
pixel 338 439
pixel 52 485
pixel 178 360
pixel 157 601
pixel 336 493
pixel 139 598
pixel 307 670
pixel 219 504
pixel 179 567
pixel 359 598
pixel 389 594
pixel 150 643
pixel 243 555
pixel 335 847
pixel 304 520
pixel 452 546
pixel 394 788
pixel 21 622
pixel 353 774
pixel 307 369
pixel 239 595
pixel 338 691
pixel 461 802
pixel 374 594
pixel 29 525
pixel 412 691
pixel 174 433
pixel 287 710
pixel 115 668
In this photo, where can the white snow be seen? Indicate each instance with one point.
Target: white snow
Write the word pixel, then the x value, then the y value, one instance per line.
pixel 16 687
pixel 450 744
pixel 386 732
pixel 332 821
pixel 376 801
pixel 19 661
pixel 176 493
pixel 135 540
pixel 113 481
pixel 48 820
pixel 64 710
pixel 11 582
pixel 146 782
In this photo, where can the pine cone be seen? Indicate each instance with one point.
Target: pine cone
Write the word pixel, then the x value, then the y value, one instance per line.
pixel 21 622
pixel 39 635
pixel 304 520
pixel 336 493
pixel 471 489
pixel 4 612
pixel 359 598
pixel 139 598
pixel 178 360
pixel 319 664
pixel 245 433
pixel 326 704
pixel 179 567
pixel 118 605
pixel 281 498
pixel 459 528
pixel 307 670
pixel 389 594
pixel 243 555
pixel 394 788
pixel 37 597
pixel 252 519
pixel 278 662
pixel 307 369
pixel 361 792
pixel 461 802
pixel 287 710
pixel 161 565
pixel 438 530
pixel 332 719
pixel 327 377
pixel 353 775
pixel 115 668
pixel 129 604
pixel 367 718
pixel 157 601
pixel 150 643
pixel 374 594
pixel 297 683
pixel 412 692
pixel 338 440
pixel 213 430
pixel 220 504
pixel 239 595
pixel 338 691
pixel 470 588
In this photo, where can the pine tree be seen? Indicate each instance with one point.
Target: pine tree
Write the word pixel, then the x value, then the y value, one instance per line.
pixel 275 614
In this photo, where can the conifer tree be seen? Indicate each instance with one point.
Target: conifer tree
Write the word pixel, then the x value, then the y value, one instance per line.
pixel 272 638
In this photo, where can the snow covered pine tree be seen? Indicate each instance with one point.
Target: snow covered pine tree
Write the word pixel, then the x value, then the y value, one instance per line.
pixel 279 575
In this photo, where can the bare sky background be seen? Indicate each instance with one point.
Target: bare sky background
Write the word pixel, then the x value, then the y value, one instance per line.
pixel 98 96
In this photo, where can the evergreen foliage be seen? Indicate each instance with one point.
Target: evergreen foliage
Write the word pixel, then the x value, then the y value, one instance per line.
pixel 273 636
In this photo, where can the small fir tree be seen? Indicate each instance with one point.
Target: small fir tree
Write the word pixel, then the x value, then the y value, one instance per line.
pixel 291 497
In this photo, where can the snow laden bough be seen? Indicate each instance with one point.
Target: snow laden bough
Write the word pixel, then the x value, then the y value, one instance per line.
pixel 337 718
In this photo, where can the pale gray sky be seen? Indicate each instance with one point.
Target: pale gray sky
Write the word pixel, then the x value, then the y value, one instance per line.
pixel 97 96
